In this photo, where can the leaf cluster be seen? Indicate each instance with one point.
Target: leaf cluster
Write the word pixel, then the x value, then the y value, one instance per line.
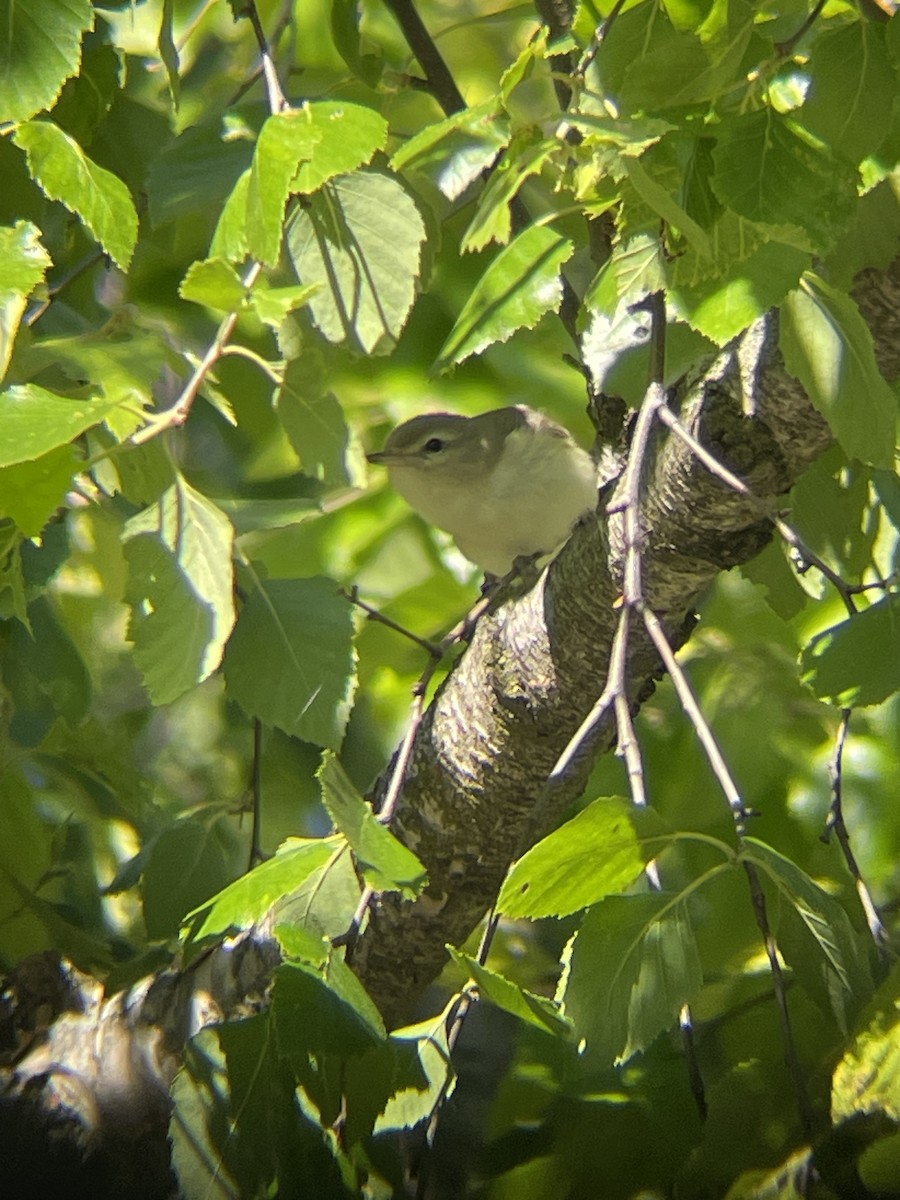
pixel 208 304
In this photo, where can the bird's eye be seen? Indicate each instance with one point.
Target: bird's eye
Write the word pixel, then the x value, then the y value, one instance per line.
pixel 433 445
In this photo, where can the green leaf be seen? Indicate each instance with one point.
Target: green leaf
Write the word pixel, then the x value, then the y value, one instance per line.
pixel 12 578
pixel 229 241
pixel 856 662
pixel 662 202
pixel 534 1010
pixel 215 284
pixel 520 285
pixel 345 17
pixel 31 492
pixel 852 89
pixel 493 220
pixel 180 588
pixel 249 898
pixel 828 347
pixel 326 900
pixel 749 272
pixel 360 239
pixel 45 675
pixel 199 1128
pixel 272 305
pixel 122 361
pixel 305 627
pixel 298 151
pixel 168 51
pixel 314 420
pixel 40 47
pixel 600 851
pixel 631 967
pixel 97 197
pixel 196 172
pixel 325 1011
pixel 815 936
pixel 409 1105
pixel 23 264
pixel 768 173
pixel 867 1079
pixel 34 421
pixel 455 151
pixel 387 865
pixel 190 861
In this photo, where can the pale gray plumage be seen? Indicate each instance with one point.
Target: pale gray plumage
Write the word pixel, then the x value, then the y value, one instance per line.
pixel 504 484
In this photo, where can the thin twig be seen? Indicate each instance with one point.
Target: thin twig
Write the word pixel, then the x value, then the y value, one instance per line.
pixel 94 256
pixel 256 851
pixel 837 824
pixel 276 97
pixel 441 83
pixel 787 47
pixel 179 412
pixel 376 615
pixel 847 592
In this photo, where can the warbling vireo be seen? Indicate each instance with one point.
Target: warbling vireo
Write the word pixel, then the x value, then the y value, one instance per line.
pixel 507 483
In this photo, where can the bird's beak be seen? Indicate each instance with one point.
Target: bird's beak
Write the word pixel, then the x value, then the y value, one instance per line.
pixel 377 457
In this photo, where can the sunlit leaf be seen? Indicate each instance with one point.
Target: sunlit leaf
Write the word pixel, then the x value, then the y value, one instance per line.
pixel 23 264
pixel 34 421
pixel 600 851
pixel 65 173
pixel 180 588
pixel 534 1010
pixel 386 863
pixel 360 239
pixel 521 284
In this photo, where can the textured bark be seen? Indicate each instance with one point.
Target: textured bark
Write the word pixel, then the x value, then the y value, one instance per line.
pixel 86 1079
pixel 475 794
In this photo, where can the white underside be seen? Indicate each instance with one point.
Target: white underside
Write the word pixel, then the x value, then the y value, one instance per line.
pixel 527 505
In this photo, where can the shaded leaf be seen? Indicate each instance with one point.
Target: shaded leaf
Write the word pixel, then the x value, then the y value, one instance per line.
pixel 630 968
pixel 852 89
pixel 856 662
pixel 306 628
pixel 815 936
pixel 828 347
pixel 314 420
pixel 766 172
pixel 324 1010
pixel 40 47
pixel 189 861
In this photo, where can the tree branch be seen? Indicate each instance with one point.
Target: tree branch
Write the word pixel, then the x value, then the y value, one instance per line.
pixel 476 792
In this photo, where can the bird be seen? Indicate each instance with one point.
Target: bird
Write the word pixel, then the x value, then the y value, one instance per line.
pixel 507 484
